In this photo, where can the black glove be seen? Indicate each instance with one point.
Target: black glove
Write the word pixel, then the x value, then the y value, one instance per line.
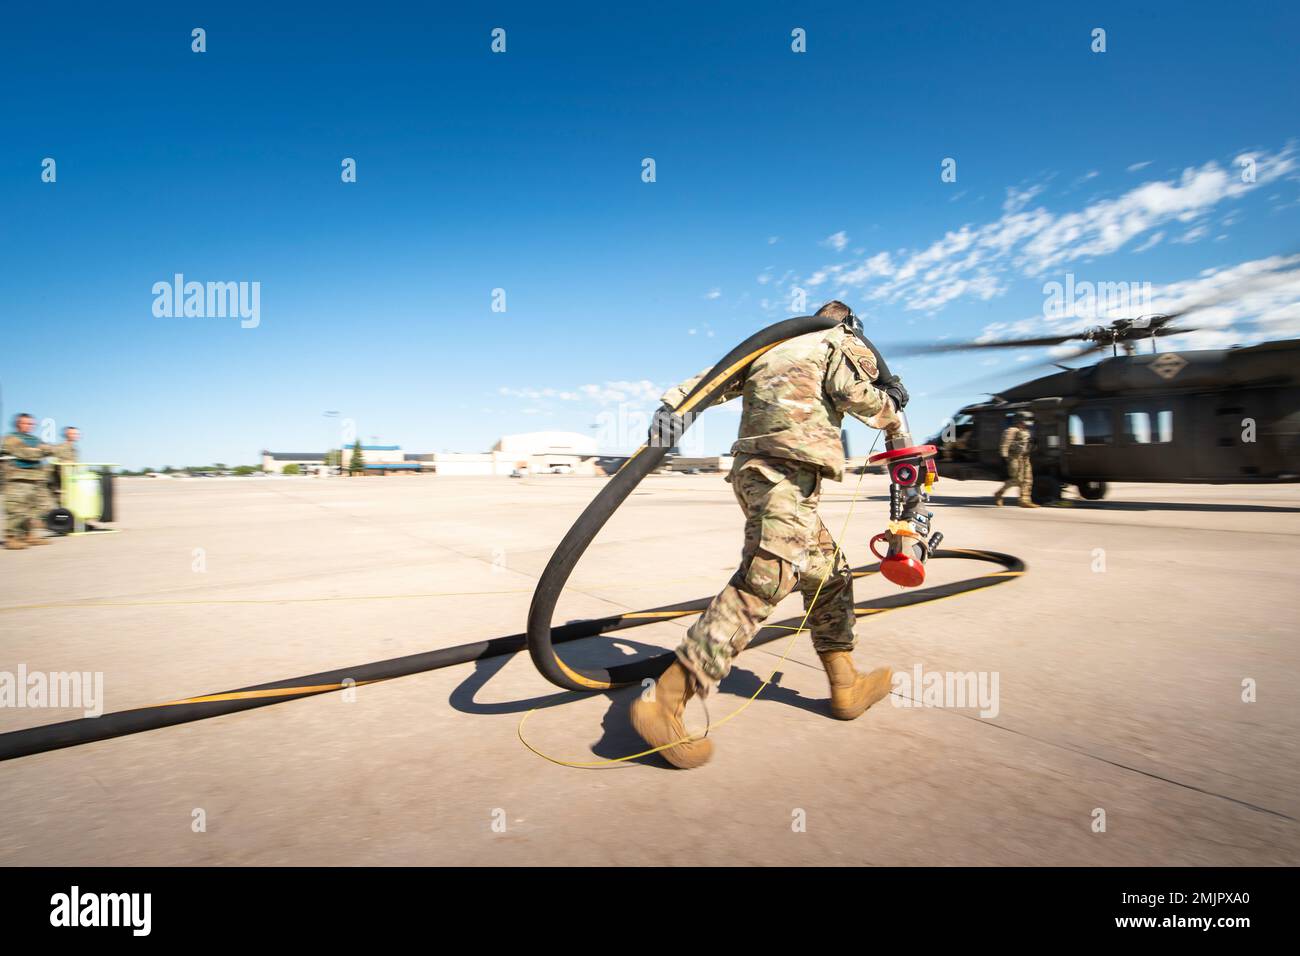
pixel 893 387
pixel 666 428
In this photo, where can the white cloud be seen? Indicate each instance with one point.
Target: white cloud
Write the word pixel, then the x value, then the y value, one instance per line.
pixel 1192 235
pixel 978 261
pixel 1018 199
pixel 607 393
pixel 534 394
pixel 611 393
pixel 1151 241
pixel 1137 166
pixel 1264 291
pixel 713 294
pixel 1235 304
pixel 837 241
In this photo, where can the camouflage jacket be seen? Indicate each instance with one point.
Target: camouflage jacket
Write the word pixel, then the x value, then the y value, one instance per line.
pixel 65 452
pixel 796 395
pixel 24 460
pixel 1016 442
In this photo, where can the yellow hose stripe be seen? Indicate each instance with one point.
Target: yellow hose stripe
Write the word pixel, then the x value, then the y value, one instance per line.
pixel 268 692
pixel 582 679
pixel 723 377
pixel 686 406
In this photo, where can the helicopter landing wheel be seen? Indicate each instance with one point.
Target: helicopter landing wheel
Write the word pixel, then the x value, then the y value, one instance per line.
pixel 1092 490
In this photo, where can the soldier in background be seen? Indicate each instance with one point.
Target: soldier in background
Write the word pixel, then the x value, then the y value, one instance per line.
pixel 1017 443
pixel 67 451
pixel 25 477
pixel 63 454
pixel 795 398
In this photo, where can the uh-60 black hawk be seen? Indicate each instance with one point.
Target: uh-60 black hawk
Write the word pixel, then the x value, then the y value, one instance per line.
pixel 1220 416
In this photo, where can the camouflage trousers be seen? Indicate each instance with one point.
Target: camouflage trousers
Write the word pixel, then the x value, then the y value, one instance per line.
pixel 786 546
pixel 1020 473
pixel 24 501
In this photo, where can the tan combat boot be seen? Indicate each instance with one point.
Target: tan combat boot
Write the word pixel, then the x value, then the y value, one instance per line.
pixel 32 530
pixel 852 693
pixel 997 499
pixel 1027 502
pixel 659 721
pixel 13 544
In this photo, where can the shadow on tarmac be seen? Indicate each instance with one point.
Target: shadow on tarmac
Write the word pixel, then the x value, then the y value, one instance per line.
pixel 618 739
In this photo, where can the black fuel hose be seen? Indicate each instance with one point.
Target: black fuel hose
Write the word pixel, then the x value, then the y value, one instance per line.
pixel 643 461
pixel 85 730
pixel 540 637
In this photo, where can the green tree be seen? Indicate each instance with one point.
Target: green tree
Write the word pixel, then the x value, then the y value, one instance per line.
pixel 292 469
pixel 358 464
pixel 246 470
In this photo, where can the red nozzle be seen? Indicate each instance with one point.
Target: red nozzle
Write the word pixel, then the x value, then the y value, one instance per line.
pixel 903 570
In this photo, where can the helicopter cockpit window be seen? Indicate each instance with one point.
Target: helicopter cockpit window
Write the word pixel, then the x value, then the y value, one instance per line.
pixel 1137 428
pixel 1092 426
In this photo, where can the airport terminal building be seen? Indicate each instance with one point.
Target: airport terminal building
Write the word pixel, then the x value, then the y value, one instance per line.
pixel 378 459
pixel 528 453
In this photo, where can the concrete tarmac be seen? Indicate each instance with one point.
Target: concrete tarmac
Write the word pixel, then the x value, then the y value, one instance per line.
pixel 1146 671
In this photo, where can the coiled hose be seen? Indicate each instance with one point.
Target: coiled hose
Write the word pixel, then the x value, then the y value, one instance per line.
pixel 643 461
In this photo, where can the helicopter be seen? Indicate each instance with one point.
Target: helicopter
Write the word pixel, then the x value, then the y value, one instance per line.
pixel 1212 416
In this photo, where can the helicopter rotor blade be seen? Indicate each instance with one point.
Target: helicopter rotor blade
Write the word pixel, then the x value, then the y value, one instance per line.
pixel 1164 330
pixel 967 385
pixel 1076 354
pixel 927 348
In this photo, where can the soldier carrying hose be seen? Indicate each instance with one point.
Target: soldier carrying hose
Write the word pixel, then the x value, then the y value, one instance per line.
pixel 795 397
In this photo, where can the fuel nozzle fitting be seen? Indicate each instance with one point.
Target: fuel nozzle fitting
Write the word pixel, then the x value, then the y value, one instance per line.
pixel 908 538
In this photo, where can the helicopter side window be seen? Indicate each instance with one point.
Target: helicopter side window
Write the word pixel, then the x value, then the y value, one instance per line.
pixel 1137 428
pixel 1164 427
pixel 1091 426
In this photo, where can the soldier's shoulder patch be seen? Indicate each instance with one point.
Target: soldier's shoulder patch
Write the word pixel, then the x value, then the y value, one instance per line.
pixel 859 356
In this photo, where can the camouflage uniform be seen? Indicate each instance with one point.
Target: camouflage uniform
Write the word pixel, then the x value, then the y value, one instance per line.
pixel 65 453
pixel 1017 441
pixel 25 489
pixel 795 398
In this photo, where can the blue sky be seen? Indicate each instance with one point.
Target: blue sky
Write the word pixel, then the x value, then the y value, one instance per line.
pixel 522 171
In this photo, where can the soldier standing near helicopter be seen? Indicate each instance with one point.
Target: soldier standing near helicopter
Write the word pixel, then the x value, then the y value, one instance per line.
pixel 1017 442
